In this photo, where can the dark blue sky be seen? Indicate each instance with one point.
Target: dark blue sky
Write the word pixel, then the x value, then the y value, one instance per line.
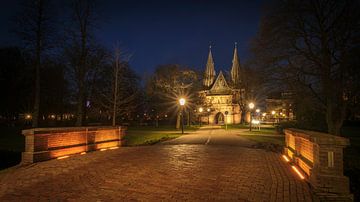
pixel 161 32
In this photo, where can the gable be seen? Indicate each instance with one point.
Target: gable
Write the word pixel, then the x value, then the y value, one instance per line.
pixel 220 85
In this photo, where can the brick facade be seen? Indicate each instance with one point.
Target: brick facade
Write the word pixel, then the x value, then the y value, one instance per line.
pixel 320 156
pixel 47 143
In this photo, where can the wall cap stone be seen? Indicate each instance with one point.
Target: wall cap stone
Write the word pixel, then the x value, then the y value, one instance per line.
pixel 319 137
pixel 33 131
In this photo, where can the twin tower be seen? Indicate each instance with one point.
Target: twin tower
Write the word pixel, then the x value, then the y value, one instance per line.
pixel 210 74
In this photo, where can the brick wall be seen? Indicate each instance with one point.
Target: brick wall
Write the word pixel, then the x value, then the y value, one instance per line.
pixel 47 143
pixel 320 156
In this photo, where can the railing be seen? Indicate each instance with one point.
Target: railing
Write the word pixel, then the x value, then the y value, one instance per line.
pixel 47 143
pixel 320 156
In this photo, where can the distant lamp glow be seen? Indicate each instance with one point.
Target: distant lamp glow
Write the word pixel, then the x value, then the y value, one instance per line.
pixel 257 110
pixel 208 109
pixel 82 153
pixel 114 148
pixel 251 105
pixel 273 112
pixel 182 101
pixel 28 116
pixel 103 149
pixel 52 116
pixel 200 109
pixel 263 114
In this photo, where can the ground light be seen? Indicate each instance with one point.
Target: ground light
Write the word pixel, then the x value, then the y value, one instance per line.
pixel 298 172
pixel 62 157
pixel 285 158
pixel 294 167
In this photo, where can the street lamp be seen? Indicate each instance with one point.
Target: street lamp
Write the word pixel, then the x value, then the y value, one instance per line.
pixel 251 106
pixel 273 114
pixel 182 102
pixel 208 110
pixel 200 111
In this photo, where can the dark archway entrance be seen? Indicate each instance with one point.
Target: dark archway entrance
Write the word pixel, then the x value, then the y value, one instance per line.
pixel 219 118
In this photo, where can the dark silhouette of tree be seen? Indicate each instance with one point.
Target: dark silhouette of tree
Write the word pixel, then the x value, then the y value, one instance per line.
pixel 82 52
pixel 306 45
pixel 117 89
pixel 35 27
pixel 16 80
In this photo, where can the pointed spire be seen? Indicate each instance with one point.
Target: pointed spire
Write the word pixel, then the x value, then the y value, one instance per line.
pixel 210 73
pixel 235 69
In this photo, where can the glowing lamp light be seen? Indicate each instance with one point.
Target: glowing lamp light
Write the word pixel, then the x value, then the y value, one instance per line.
pixel 298 172
pixel 251 105
pixel 103 149
pixel 285 158
pixel 62 157
pixel 208 109
pixel 182 101
pixel 200 109
pixel 273 112
pixel 114 148
pixel 82 153
pixel 257 110
pixel 263 114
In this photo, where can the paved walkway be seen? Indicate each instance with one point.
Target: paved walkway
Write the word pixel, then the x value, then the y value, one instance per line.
pixel 194 172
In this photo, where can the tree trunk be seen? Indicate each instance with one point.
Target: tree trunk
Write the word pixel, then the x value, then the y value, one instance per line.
pixel 115 87
pixel 80 105
pixel 36 113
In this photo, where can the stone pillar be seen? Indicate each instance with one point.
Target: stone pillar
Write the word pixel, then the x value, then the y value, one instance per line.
pixel 320 156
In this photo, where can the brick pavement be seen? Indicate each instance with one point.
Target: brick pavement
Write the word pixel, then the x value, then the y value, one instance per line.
pixel 162 172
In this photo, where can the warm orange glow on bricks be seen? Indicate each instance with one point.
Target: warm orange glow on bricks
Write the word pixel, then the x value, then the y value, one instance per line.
pixel 285 158
pixel 82 153
pixel 298 172
pixel 63 157
pixel 114 148
pixel 103 149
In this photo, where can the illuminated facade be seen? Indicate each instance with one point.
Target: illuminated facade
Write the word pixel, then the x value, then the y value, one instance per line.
pixel 222 98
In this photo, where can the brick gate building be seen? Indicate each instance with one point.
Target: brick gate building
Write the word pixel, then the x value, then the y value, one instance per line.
pixel 223 98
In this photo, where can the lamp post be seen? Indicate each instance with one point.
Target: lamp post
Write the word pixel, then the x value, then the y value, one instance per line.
pixel 273 115
pixel 208 110
pixel 200 111
pixel 182 102
pixel 251 106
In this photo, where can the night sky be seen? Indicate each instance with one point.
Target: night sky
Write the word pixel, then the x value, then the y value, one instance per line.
pixel 162 32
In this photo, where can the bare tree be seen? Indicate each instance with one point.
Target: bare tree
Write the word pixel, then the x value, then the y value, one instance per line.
pixel 35 27
pixel 80 47
pixel 306 44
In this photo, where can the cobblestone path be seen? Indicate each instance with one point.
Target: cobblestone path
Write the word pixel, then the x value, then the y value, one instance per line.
pixel 158 173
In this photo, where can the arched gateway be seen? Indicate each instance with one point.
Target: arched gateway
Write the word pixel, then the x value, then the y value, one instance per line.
pixel 219 118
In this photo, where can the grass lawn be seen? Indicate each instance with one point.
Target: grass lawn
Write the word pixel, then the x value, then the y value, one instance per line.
pixel 267 134
pixel 261 139
pixel 148 135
